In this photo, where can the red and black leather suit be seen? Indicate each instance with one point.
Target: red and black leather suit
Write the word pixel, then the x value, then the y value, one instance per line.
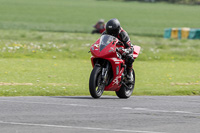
pixel 123 37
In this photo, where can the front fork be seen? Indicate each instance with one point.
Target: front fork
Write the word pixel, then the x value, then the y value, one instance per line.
pixel 104 74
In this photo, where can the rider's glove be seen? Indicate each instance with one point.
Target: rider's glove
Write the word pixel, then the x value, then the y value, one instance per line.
pixel 127 51
pixel 122 51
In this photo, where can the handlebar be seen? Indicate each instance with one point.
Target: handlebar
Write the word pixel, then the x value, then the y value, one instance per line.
pixel 120 43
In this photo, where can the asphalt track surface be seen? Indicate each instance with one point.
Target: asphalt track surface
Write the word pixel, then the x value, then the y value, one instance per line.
pixel 82 114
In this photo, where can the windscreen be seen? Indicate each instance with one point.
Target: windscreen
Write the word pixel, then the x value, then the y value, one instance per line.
pixel 105 40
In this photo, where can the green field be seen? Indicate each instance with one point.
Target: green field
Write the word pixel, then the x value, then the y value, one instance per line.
pixel 48 63
pixel 79 15
pixel 44 46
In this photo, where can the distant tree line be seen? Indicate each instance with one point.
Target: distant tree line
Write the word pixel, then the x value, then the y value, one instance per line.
pixel 171 1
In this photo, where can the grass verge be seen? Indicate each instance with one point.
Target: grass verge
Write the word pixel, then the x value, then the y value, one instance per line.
pixel 50 77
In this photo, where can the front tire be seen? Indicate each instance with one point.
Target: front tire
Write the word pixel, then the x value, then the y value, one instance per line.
pixel 124 92
pixel 95 86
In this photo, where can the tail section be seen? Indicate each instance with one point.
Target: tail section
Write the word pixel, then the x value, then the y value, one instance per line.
pixel 136 51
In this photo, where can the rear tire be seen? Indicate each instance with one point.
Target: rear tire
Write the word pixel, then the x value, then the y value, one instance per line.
pixel 124 92
pixel 95 87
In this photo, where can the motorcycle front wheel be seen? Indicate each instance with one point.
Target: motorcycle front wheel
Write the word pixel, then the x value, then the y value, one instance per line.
pixel 95 86
pixel 125 92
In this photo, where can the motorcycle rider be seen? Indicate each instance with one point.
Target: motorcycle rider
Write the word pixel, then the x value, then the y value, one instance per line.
pixel 113 28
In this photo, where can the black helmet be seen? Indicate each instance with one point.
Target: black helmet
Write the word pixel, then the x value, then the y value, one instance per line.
pixel 113 27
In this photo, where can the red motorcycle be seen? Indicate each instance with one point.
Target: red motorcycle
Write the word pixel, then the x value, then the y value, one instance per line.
pixel 109 68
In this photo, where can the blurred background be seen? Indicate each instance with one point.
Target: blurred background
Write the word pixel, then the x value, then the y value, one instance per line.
pixel 44 45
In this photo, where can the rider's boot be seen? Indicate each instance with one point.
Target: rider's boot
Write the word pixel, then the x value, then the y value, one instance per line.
pixel 129 75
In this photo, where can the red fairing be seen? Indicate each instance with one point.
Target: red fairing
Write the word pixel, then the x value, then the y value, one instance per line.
pixel 107 51
pixel 116 82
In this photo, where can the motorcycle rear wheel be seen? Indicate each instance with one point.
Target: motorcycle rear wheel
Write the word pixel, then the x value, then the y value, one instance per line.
pixel 95 86
pixel 124 92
